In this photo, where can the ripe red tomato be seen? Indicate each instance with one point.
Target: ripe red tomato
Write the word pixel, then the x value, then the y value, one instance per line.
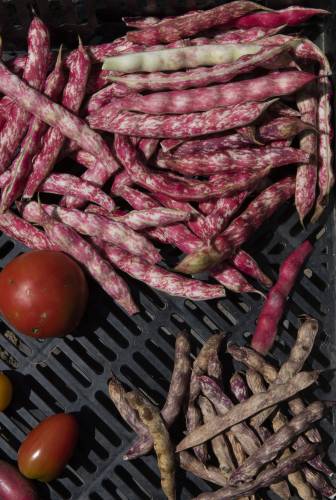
pixel 48 448
pixel 43 294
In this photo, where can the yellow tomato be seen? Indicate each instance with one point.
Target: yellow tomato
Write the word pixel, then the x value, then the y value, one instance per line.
pixel 6 391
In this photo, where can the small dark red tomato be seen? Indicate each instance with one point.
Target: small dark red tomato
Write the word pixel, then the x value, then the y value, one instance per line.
pixel 43 294
pixel 48 448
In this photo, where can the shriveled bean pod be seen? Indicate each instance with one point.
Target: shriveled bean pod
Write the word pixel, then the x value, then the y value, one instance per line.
pixel 218 443
pixel 265 478
pixel 248 408
pixel 175 397
pixel 277 442
pixel 118 394
pixel 222 403
pixel 150 416
pixel 209 473
pixel 257 362
pixel 256 384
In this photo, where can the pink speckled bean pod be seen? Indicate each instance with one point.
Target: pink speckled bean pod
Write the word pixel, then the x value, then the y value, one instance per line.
pixel 21 230
pixel 202 99
pixel 210 144
pixel 247 265
pixel 61 237
pixel 74 186
pixel 96 174
pixel 175 234
pixel 73 95
pixel 232 279
pixel 291 16
pixel 97 80
pixel 189 24
pixel 180 126
pixel 202 77
pixel 193 223
pixel 161 279
pixel 104 96
pixel 153 217
pixel 98 226
pixel 282 128
pixel 73 244
pixel 273 308
pixel 220 215
pixel 56 115
pixel 34 74
pixel 148 147
pixel 306 175
pixel 232 160
pixel 143 219
pixel 22 165
pixel 326 177
pixel 240 229
pixel 175 188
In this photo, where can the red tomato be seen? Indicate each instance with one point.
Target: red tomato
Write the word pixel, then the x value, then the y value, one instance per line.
pixel 43 294
pixel 48 448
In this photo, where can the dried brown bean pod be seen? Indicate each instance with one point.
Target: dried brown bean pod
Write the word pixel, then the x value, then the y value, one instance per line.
pixel 277 442
pixel 319 483
pixel 215 370
pixel 209 473
pixel 218 443
pixel 118 396
pixel 223 405
pixel 265 478
pixel 176 394
pixel 194 420
pixel 248 408
pixel 296 479
pixel 150 416
pixel 254 360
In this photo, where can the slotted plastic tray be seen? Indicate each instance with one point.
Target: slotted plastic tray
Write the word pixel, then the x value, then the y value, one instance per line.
pixel 71 374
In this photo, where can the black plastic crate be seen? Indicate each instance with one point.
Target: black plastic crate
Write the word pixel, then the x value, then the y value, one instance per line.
pixel 71 374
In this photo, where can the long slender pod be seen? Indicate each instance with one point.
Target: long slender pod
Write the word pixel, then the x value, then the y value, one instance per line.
pixel 225 244
pixel 265 478
pixel 73 96
pixel 174 401
pixel 22 165
pixel 35 72
pixel 150 416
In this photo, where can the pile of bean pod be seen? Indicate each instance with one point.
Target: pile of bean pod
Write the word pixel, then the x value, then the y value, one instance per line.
pixel 191 131
pixel 240 438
